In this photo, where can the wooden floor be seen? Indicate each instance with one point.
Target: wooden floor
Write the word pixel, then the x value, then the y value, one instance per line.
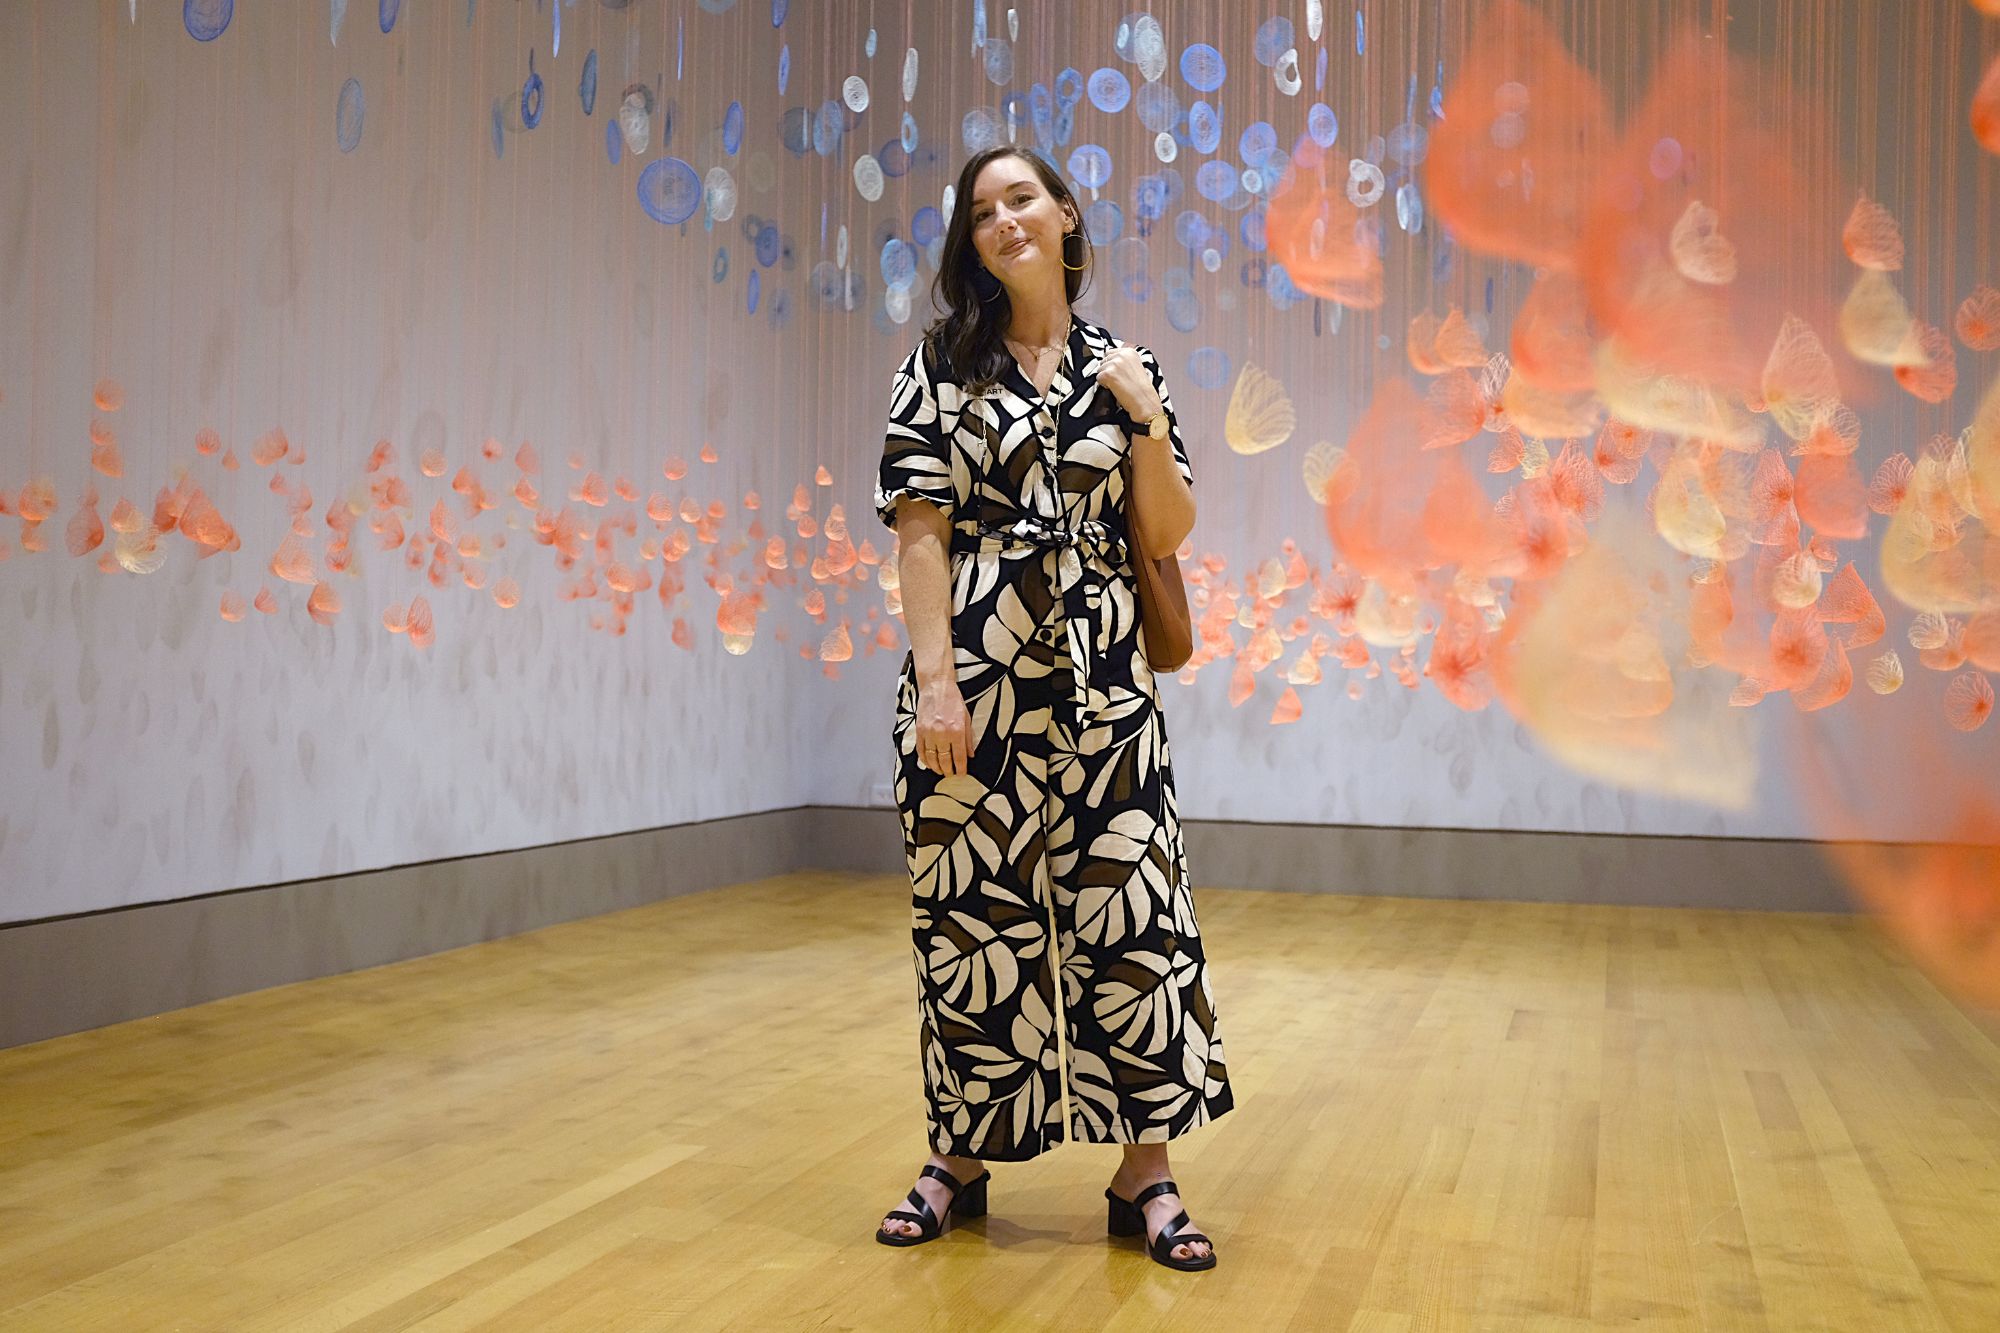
pixel 690 1115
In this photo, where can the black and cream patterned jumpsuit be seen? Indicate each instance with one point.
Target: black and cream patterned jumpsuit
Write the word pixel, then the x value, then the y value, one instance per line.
pixel 1059 852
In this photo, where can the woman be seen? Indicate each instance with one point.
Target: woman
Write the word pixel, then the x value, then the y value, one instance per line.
pixel 1038 807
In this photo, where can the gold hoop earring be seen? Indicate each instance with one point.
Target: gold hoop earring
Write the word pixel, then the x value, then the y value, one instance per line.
pixel 1074 268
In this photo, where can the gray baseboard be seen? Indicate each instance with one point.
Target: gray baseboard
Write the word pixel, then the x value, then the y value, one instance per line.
pixel 1630 870
pixel 71 973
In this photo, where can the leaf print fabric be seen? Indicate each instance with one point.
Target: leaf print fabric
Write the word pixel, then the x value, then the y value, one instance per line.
pixel 1059 852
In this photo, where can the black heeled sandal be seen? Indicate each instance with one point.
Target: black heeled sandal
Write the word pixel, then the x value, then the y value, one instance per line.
pixel 1128 1218
pixel 967 1202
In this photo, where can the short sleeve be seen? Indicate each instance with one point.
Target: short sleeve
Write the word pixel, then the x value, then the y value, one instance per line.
pixel 1152 364
pixel 916 455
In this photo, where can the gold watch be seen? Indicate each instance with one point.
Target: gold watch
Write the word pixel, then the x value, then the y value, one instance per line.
pixel 1156 427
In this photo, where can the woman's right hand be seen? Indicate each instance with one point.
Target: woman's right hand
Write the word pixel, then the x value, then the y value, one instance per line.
pixel 944 729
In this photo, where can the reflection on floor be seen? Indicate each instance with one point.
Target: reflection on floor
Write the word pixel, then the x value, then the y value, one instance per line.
pixel 691 1115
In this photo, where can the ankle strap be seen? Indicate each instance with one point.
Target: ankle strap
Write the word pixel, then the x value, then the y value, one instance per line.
pixel 939 1173
pixel 1153 1192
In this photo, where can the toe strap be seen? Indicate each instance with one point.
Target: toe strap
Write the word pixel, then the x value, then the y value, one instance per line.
pixel 923 1216
pixel 1172 1235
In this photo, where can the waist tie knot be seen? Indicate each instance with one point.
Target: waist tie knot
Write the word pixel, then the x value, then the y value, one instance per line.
pixel 1088 554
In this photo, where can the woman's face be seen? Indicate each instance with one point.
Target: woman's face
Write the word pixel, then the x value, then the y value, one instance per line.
pixel 1017 225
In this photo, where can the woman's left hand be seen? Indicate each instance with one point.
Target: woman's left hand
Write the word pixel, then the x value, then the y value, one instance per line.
pixel 1126 376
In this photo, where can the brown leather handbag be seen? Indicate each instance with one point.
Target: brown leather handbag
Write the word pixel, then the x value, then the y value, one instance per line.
pixel 1163 604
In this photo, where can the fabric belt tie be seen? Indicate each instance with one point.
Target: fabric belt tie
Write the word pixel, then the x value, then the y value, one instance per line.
pixel 1088 555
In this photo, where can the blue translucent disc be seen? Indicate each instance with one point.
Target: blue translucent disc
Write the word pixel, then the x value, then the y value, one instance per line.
pixel 1158 107
pixel 1110 91
pixel 1217 181
pixel 1204 127
pixel 1208 367
pixel 1274 38
pixel 1256 141
pixel 1203 67
pixel 669 190
pixel 1104 222
pixel 1322 125
pixel 795 130
pixel 1091 166
pixel 899 264
pixel 347 116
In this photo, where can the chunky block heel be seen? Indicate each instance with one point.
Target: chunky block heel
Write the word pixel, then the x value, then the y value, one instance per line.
pixel 970 1202
pixel 967 1202
pixel 1124 1219
pixel 1128 1218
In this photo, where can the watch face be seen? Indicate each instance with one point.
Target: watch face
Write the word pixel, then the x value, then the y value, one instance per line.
pixel 1158 428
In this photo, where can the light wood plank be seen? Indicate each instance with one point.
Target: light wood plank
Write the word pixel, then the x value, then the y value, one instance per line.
pixel 690 1115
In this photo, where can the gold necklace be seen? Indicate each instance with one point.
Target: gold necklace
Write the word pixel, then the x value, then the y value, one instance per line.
pixel 1030 349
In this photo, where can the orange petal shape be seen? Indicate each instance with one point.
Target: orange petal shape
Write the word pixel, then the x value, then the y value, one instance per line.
pixel 1968 701
pixel 1701 252
pixel 1830 497
pixel 1986 109
pixel 293 563
pixel 1310 227
pixel 104 455
pixel 422 633
pixel 443 528
pixel 1876 325
pixel 202 523
pixel 1982 641
pixel 233 606
pixel 1241 684
pixel 1696 246
pixel 1938 379
pixel 1422 345
pixel 1847 601
pixel 1288 708
pixel 1551 342
pixel 507 594
pixel 86 530
pixel 1513 162
pixel 1891 484
pixel 1454 411
pixel 1978 319
pixel 1872 238
pixel 1799 385
pixel 324 604
pixel 1830 686
pixel 1458 343
pixel 270 447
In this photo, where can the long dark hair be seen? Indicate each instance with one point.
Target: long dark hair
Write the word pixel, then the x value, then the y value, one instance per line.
pixel 975 307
